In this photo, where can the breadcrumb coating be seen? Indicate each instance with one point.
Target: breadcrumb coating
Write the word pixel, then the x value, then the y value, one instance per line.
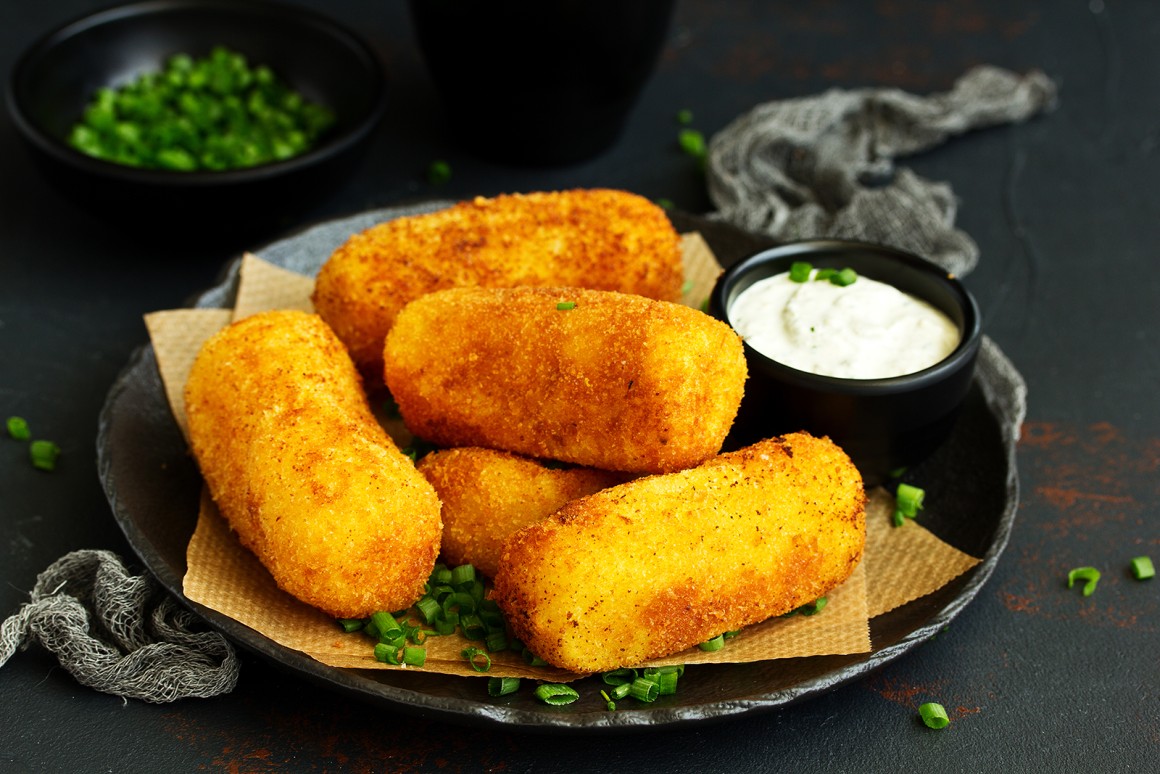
pixel 595 378
pixel 306 477
pixel 656 565
pixel 487 495
pixel 597 238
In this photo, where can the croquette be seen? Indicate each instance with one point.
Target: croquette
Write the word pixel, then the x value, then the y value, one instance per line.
pixel 309 481
pixel 597 238
pixel 662 563
pixel 595 378
pixel 487 495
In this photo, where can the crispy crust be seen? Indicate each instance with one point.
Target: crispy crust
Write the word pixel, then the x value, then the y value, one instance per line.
pixel 306 477
pixel 619 382
pixel 660 564
pixel 487 495
pixel 604 239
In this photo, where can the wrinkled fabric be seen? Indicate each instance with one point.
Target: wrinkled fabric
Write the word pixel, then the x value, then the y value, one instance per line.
pixel 120 633
pixel 823 166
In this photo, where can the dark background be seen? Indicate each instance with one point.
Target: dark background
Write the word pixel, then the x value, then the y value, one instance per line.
pixel 1066 213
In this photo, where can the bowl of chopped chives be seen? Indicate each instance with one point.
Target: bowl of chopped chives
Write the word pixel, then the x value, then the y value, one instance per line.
pixel 206 115
pixel 872 346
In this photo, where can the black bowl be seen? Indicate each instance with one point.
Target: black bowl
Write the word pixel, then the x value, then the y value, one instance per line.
pixel 883 424
pixel 55 79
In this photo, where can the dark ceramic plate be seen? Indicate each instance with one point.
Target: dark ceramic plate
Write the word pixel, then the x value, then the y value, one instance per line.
pixel 152 484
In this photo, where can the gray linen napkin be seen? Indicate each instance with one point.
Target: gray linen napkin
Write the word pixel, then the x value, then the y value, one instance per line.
pixel 823 166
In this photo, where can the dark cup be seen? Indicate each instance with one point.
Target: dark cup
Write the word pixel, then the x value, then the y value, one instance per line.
pixel 540 82
pixel 883 424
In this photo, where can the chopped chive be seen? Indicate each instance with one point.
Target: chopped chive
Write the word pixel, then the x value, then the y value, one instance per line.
pixel 387 627
pixel 622 690
pixel 692 142
pixel 352 624
pixel 1089 575
pixel 502 686
pixel 622 676
pixel 472 626
pixel 565 306
pixel 643 689
pixel 608 702
pixel 934 715
pixel 429 609
pixel 478 658
pixel 684 116
pixel 666 683
pixel 846 276
pixel 824 275
pixel 1142 568
pixel 799 271
pixel 463 576
pixel 897 519
pixel 438 172
pixel 414 656
pixel 18 429
pixel 814 607
pixel 714 644
pixel 43 454
pixel 909 499
pixel 665 204
pixel 496 641
pixel 387 654
pixel 556 694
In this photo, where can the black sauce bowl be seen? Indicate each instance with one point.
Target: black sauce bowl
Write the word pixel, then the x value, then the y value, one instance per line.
pixel 55 79
pixel 883 424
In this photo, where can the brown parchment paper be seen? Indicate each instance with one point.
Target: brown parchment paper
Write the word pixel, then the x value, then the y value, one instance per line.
pixel 900 564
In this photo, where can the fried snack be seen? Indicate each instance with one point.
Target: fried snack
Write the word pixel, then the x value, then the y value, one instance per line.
pixel 604 239
pixel 292 455
pixel 487 495
pixel 660 564
pixel 601 379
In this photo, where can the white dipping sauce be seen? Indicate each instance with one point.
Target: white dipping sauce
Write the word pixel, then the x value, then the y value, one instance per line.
pixel 866 330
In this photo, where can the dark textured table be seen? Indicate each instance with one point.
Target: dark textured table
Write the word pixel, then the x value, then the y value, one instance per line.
pixel 1066 212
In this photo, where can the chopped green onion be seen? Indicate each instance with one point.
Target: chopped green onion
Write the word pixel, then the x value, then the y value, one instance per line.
pixel 909 499
pixel 692 142
pixel 814 607
pixel 429 609
pixel 799 271
pixel 531 659
pixel 496 641
pixel 608 702
pixel 622 690
pixel 934 715
pixel 463 575
pixel 622 676
pixel 44 454
pixel 18 429
pixel 665 204
pixel 1089 575
pixel 645 690
pixel 478 658
pixel 666 681
pixel 565 306
pixel 684 116
pixel 846 276
pixel 414 656
pixel 439 172
pixel 386 626
pixel 825 274
pixel 502 686
pixel 352 624
pixel 556 694
pixel 714 644
pixel 387 654
pixel 1142 568
pixel 897 519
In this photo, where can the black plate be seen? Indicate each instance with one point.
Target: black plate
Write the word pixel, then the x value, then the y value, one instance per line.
pixel 152 484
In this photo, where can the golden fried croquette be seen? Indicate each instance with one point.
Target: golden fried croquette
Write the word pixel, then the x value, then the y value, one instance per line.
pixel 292 455
pixel 596 378
pixel 656 565
pixel 605 239
pixel 487 495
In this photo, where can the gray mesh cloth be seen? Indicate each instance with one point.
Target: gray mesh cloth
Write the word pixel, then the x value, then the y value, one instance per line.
pixel 823 166
pixel 120 633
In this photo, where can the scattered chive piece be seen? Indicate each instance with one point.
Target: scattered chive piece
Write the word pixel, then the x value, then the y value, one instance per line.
pixel 478 658
pixel 608 702
pixel 18 429
pixel 665 204
pixel 643 689
pixel 824 275
pixel 438 172
pixel 909 499
pixel 1089 575
pixel 502 686
pixel 684 116
pixel 44 454
pixel 898 519
pixel 622 676
pixel 387 654
pixel 799 271
pixel 846 276
pixel 814 607
pixel 387 627
pixel 531 659
pixel 714 644
pixel 1142 568
pixel 352 624
pixel 692 142
pixel 414 656
pixel 622 690
pixel 934 715
pixel 556 694
pixel 565 306
pixel 463 575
